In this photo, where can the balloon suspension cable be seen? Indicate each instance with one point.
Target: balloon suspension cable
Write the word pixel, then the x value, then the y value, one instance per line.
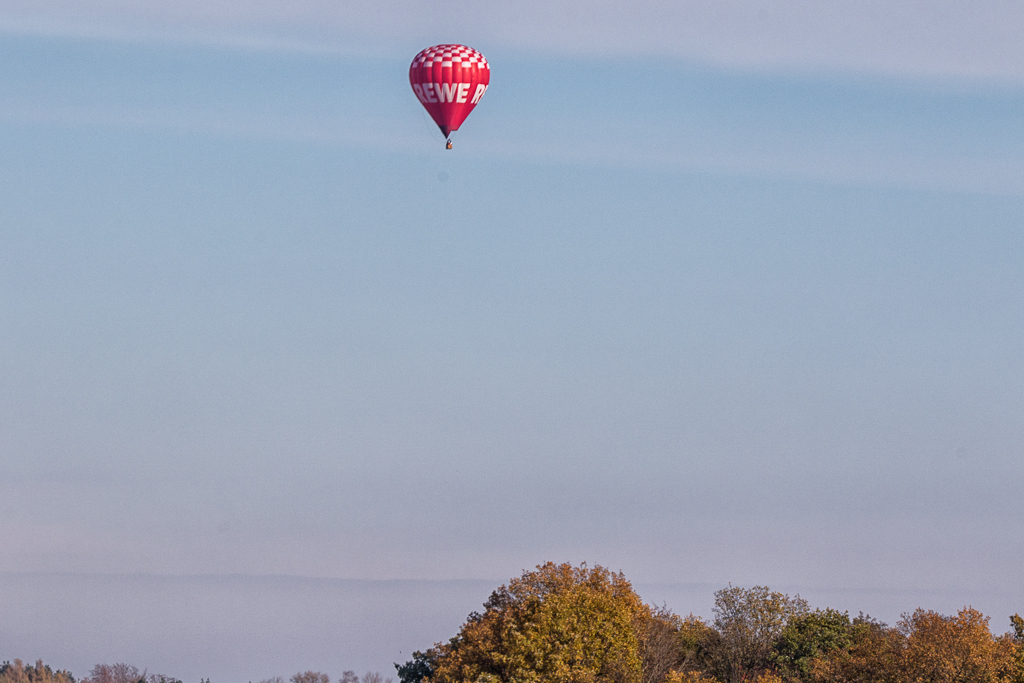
pixel 448 143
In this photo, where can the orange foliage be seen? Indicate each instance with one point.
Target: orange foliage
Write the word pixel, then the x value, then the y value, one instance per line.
pixel 924 647
pixel 955 649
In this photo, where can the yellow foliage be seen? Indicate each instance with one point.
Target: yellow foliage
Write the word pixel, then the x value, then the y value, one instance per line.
pixel 925 647
pixel 40 673
pixel 689 677
pixel 772 677
pixel 956 649
pixel 557 624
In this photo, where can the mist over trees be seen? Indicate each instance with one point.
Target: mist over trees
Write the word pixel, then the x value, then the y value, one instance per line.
pixel 566 624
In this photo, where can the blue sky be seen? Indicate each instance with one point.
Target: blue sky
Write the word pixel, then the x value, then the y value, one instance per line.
pixel 700 318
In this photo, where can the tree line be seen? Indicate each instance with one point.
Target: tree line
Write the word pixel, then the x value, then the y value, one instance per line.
pixel 562 623
pixel 19 672
pixel 566 624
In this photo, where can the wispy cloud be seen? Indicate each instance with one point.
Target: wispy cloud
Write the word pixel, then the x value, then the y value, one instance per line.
pixel 641 114
pixel 936 38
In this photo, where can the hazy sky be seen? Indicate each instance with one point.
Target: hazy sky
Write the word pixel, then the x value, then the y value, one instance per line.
pixel 706 292
pixel 979 39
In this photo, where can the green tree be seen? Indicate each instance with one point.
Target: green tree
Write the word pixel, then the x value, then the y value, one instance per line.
pixel 1018 639
pixel 1018 628
pixel 874 656
pixel 808 636
pixel 557 624
pixel 420 667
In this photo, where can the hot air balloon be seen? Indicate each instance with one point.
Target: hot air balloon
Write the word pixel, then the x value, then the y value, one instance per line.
pixel 449 80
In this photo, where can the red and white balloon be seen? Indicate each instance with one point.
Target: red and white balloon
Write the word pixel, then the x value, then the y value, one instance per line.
pixel 449 80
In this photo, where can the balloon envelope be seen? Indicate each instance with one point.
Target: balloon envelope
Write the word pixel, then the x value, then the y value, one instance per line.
pixel 449 80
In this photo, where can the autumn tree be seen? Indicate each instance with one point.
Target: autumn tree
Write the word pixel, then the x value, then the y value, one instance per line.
pixel 924 647
pixel 690 677
pixel 18 672
pixel 956 649
pixel 660 637
pixel 696 642
pixel 125 673
pixel 115 673
pixel 556 624
pixel 748 622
